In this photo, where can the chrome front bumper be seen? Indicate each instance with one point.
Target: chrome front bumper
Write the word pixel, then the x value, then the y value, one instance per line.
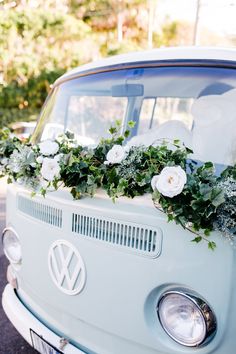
pixel 23 320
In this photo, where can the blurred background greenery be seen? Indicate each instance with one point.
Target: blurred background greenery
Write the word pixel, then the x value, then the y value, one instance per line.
pixel 41 39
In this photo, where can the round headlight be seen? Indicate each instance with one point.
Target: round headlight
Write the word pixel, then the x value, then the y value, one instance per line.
pixel 11 245
pixel 186 318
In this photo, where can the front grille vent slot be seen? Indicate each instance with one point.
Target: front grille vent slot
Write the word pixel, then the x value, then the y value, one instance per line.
pixel 141 239
pixel 40 211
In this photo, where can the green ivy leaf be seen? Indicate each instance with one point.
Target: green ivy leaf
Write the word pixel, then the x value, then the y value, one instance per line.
pixel 189 151
pixel 212 245
pixel 218 197
pixel 197 239
pixel 207 232
pixel 118 123
pixel 43 192
pixel 75 193
pixel 206 191
pixel 71 159
pixel 112 130
pixel 126 133
pixel 131 124
pixel 170 217
pixel 69 135
pixel 9 180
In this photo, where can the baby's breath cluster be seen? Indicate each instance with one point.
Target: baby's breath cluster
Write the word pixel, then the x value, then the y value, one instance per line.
pixel 226 213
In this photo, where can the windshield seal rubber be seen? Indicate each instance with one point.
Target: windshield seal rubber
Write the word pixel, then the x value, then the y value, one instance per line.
pixel 211 63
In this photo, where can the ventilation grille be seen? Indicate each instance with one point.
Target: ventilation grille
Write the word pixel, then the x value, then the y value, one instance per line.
pixel 139 238
pixel 40 211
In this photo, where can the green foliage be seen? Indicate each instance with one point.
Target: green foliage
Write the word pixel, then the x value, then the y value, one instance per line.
pixel 168 34
pixel 10 115
pixel 205 202
pixel 33 94
pixel 39 44
pixel 36 47
pixel 23 102
pixel 44 40
pixel 198 202
pixel 112 47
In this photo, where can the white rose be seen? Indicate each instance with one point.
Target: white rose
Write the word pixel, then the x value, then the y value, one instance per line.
pixel 154 182
pixel 48 147
pixel 4 161
pixel 20 180
pixel 170 182
pixel 116 154
pixel 58 157
pixel 39 159
pixel 50 169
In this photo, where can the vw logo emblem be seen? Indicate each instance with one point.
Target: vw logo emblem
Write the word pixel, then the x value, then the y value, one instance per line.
pixel 66 267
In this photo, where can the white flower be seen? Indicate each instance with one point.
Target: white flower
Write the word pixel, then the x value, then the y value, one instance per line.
pixel 48 147
pixel 58 157
pixel 127 148
pixel 4 161
pixel 116 154
pixel 20 180
pixel 154 182
pixel 50 169
pixel 170 182
pixel 39 159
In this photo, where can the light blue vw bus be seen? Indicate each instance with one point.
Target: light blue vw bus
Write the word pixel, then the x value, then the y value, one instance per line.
pixel 96 277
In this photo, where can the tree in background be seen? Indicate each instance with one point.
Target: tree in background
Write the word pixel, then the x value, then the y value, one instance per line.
pixel 119 26
pixel 41 39
pixel 36 46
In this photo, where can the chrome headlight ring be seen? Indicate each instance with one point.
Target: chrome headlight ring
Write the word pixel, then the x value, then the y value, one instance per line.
pixel 186 318
pixel 11 245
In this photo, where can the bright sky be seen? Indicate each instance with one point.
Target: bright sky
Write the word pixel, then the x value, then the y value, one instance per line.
pixel 217 15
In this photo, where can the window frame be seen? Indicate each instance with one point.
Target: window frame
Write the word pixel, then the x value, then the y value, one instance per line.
pixel 206 63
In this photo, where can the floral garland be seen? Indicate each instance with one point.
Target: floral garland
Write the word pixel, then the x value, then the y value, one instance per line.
pixel 192 196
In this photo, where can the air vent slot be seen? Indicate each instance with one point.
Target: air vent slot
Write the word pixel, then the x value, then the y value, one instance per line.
pixel 139 238
pixel 40 211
